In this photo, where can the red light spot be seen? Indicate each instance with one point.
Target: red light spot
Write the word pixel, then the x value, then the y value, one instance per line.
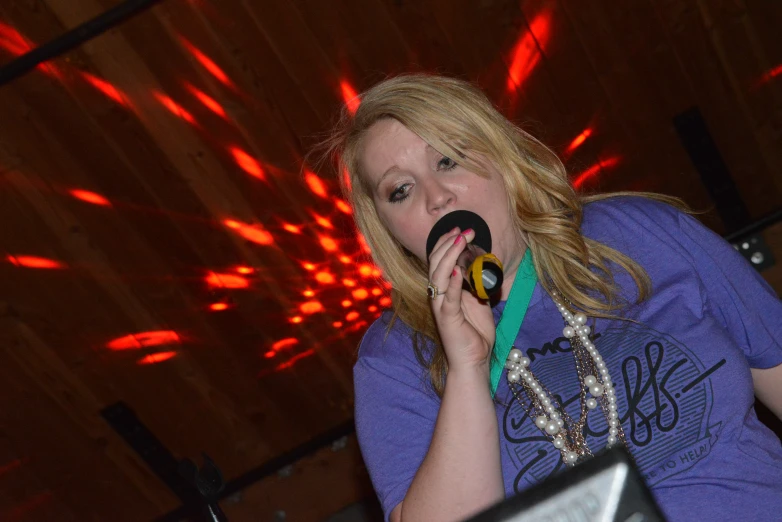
pixel 360 294
pixel 372 308
pixel 308 293
pixel 173 107
pixel 308 266
pixel 311 307
pixel 770 75
pixel 581 138
pixel 375 272
pixel 349 96
pixel 347 304
pixel 346 179
pixel 207 63
pixel 324 277
pixel 352 316
pixel 594 170
pixel 90 197
pixel 365 270
pixel 208 102
pixel 349 283
pixel 284 343
pixel 527 52
pixel 315 184
pixel 155 358
pixel 34 262
pixel 342 206
pixel 294 359
pixel 325 223
pixel 226 280
pixel 144 340
pixel 376 291
pixel 293 229
pixel 386 301
pixel 345 259
pixel 245 270
pixel 296 320
pixel 106 88
pixel 337 324
pixel 218 307
pixel 254 233
pixel 363 242
pixel 269 354
pixel 328 244
pixel 248 164
pixel 13 42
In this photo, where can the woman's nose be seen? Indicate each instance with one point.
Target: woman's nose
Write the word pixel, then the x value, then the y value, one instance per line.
pixel 439 198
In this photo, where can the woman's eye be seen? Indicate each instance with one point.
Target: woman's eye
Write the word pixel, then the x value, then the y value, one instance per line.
pixel 446 163
pixel 400 193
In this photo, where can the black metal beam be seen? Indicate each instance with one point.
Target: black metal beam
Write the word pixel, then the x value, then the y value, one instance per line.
pixel 73 38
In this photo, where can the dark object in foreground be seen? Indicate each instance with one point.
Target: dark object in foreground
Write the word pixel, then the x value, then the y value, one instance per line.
pixel 605 488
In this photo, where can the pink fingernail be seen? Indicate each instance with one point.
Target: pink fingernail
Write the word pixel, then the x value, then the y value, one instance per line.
pixel 458 238
pixel 453 274
pixel 466 231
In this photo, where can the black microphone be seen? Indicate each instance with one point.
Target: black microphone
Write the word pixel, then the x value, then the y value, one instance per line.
pixel 482 269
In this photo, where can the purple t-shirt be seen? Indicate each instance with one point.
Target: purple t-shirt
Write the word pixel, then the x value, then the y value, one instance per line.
pixel 681 374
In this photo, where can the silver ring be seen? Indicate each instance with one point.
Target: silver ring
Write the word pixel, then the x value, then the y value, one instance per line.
pixel 432 291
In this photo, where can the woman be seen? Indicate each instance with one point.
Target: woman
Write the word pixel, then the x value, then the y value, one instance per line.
pixel 678 327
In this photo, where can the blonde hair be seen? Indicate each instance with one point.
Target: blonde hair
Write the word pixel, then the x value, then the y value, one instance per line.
pixel 459 121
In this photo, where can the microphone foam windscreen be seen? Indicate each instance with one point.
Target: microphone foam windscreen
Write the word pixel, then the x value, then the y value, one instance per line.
pixel 463 219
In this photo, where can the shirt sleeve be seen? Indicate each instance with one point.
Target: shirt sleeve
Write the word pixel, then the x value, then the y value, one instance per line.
pixel 741 299
pixel 395 411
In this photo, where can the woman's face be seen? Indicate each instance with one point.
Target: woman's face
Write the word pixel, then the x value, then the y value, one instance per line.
pixel 413 186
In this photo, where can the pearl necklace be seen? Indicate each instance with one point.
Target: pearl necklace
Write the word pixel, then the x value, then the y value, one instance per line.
pixel 566 435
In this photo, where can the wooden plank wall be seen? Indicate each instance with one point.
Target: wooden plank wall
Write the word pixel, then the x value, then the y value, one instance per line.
pixel 192 121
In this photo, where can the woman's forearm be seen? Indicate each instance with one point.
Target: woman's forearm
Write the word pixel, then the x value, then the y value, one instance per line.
pixel 461 473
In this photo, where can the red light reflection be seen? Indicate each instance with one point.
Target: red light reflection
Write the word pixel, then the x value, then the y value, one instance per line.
pixel 770 75
pixel 106 88
pixel 207 101
pixel 247 163
pixel 594 170
pixel 324 277
pixel 294 359
pixel 360 294
pixel 527 52
pixel 293 229
pixel 328 244
pixel 342 206
pixel 16 44
pixel 216 280
pixel 324 222
pixel 311 307
pixel 315 184
pixel 174 108
pixel 207 63
pixel 254 233
pixel 581 138
pixel 349 96
pixel 285 343
pixel 144 340
pixel 34 262
pixel 89 197
pixel 155 358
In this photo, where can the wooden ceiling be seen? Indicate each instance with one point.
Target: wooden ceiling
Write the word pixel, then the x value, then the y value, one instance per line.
pixel 165 245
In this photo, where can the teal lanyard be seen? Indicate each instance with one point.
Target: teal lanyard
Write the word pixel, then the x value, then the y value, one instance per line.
pixel 512 317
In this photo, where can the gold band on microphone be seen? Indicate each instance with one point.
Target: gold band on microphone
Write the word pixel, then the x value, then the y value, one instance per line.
pixel 476 273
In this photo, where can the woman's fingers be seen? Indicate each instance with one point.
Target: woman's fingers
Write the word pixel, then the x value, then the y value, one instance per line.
pixel 452 302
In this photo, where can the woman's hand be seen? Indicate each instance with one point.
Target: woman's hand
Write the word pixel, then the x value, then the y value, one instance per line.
pixel 465 323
